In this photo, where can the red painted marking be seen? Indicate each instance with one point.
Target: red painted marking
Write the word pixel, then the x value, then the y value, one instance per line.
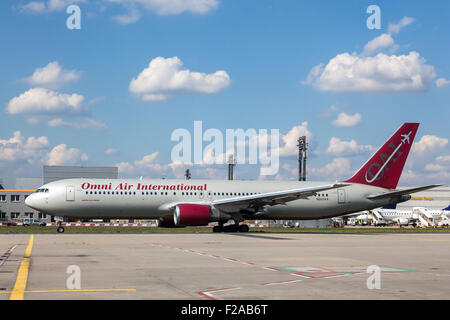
pixel 230 259
pixel 205 293
pixel 301 275
pixel 335 275
pixel 327 270
pixel 272 269
pixel 278 282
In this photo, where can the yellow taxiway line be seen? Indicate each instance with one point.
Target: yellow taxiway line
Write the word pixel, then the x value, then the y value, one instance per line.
pixel 22 276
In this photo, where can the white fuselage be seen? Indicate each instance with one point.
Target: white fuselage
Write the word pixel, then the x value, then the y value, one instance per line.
pixel 152 199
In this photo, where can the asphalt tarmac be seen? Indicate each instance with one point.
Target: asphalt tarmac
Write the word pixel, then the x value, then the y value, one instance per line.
pixel 225 266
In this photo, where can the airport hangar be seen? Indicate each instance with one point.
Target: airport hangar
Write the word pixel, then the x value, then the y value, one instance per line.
pixel 12 201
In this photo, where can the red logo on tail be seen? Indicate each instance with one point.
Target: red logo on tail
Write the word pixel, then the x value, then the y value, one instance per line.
pixel 386 165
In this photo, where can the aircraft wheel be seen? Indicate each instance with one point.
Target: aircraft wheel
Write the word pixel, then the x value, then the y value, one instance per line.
pixel 217 229
pixel 230 228
pixel 243 228
pixel 60 229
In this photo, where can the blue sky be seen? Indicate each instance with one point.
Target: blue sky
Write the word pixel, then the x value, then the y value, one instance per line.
pixel 267 49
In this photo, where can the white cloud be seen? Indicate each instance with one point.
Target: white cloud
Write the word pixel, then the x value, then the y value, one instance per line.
pixel 44 101
pixel 434 167
pixel 34 7
pixel 396 27
pixel 111 151
pixel 350 72
pixel 37 143
pixel 417 178
pixel 426 165
pixel 82 123
pixel 61 154
pixel 133 8
pixel 24 156
pixel 132 15
pixel 164 77
pixel 429 144
pixel 38 104
pixel 339 168
pixel 329 111
pixel 347 120
pixel 339 147
pixel 125 167
pixel 163 7
pixel 379 43
pixel 17 148
pixel 147 161
pixel 443 159
pixel 289 141
pixel 442 82
pixel 52 76
pixel 49 6
pixel 145 166
pixel 382 73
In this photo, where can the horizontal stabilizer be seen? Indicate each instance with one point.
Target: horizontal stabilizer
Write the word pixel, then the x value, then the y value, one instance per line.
pixel 401 192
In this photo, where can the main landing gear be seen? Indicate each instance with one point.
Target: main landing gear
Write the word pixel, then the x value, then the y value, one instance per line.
pixel 231 228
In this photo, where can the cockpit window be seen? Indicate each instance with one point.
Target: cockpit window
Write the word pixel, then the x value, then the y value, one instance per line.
pixel 41 190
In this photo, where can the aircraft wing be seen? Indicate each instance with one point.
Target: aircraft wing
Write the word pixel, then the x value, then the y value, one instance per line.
pixel 401 192
pixel 271 198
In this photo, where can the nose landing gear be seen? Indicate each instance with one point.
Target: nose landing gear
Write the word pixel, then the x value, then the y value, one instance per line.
pixel 60 228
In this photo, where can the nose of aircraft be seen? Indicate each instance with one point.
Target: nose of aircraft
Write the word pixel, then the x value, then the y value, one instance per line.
pixel 31 201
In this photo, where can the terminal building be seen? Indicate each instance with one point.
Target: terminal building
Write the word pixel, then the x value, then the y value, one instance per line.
pixel 12 200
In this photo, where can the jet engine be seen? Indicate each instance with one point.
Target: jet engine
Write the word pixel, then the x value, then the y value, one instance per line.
pixel 192 215
pixel 166 223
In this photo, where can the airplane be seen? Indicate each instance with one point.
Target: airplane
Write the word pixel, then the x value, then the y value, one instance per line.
pixel 402 217
pixel 182 203
pixel 405 217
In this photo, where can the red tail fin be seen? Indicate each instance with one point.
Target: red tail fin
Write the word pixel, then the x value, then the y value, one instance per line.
pixel 385 167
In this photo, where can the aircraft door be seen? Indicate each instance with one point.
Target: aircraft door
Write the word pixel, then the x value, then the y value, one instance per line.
pixel 341 196
pixel 70 193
